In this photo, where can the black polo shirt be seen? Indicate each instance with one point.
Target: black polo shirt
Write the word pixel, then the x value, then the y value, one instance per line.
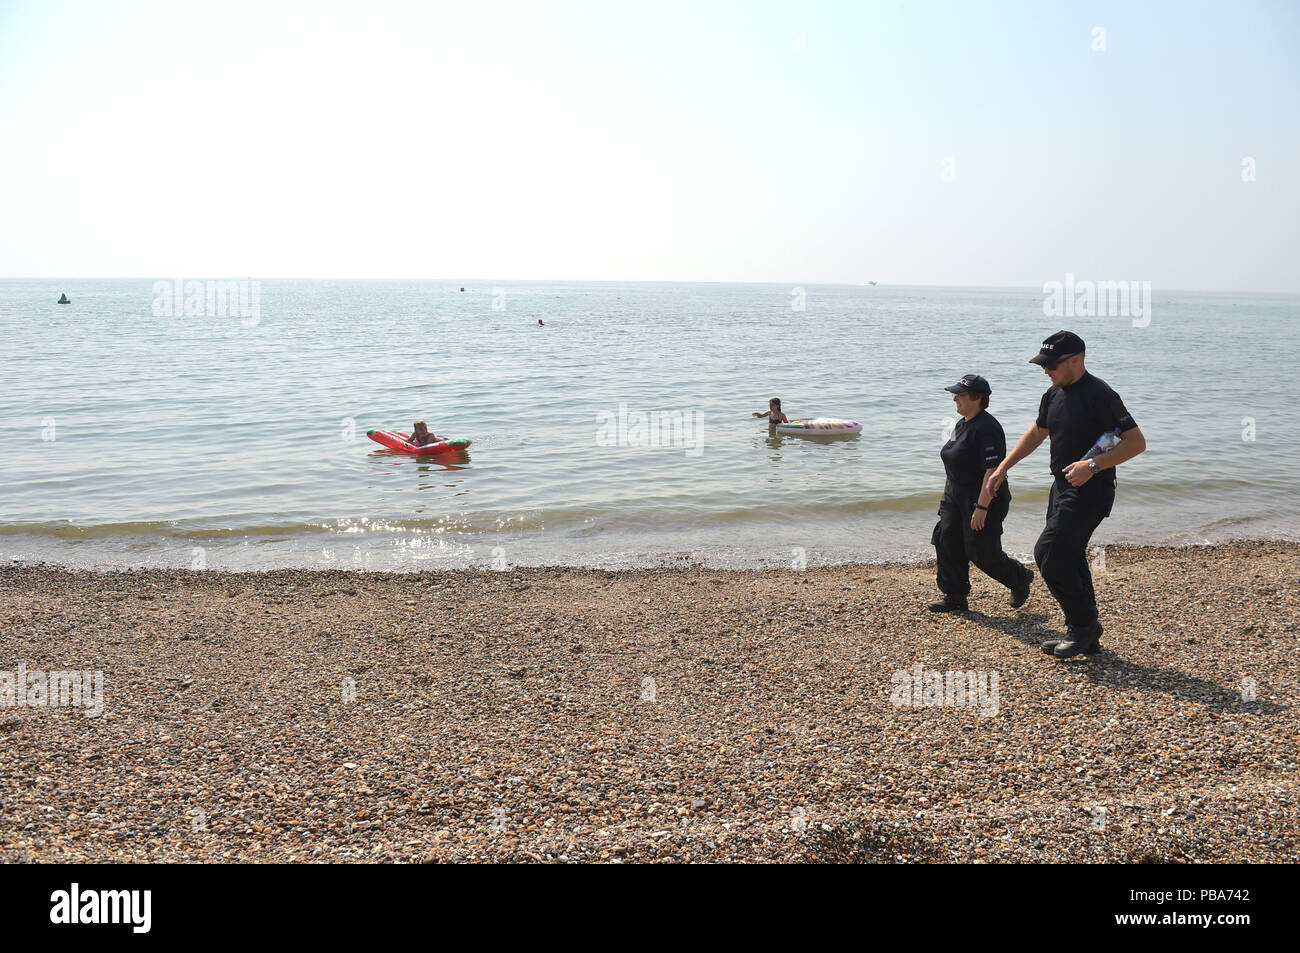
pixel 977 445
pixel 1077 415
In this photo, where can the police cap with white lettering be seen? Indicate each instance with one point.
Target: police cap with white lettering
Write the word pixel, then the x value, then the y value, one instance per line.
pixel 970 383
pixel 1058 345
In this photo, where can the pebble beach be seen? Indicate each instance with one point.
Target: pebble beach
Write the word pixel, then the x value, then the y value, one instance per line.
pixel 666 715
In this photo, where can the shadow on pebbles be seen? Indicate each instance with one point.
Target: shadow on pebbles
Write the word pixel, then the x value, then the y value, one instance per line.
pixel 656 715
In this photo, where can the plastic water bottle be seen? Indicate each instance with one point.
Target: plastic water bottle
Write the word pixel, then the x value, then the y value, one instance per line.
pixel 1107 441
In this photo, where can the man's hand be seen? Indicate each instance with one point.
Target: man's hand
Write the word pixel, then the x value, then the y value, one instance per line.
pixel 1078 473
pixel 995 481
pixel 977 520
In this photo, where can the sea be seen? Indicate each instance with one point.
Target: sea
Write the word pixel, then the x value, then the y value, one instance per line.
pixel 222 423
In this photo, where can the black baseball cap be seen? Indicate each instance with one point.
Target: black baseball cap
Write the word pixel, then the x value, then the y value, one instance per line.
pixel 971 383
pixel 1058 345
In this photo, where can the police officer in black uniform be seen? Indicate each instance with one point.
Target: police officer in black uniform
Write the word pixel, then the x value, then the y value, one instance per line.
pixel 1076 411
pixel 970 516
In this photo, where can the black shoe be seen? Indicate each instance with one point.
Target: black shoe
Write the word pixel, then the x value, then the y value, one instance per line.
pixel 1079 642
pixel 1020 594
pixel 1050 645
pixel 949 604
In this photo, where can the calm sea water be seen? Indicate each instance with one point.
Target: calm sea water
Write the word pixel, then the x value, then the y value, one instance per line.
pixel 131 439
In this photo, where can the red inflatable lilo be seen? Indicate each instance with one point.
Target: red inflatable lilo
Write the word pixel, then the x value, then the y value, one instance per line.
pixel 402 443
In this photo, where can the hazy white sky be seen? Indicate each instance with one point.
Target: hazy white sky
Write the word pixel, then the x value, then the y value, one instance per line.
pixel 788 142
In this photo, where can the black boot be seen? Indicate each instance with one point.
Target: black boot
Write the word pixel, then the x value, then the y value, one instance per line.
pixel 949 604
pixel 1020 594
pixel 1085 641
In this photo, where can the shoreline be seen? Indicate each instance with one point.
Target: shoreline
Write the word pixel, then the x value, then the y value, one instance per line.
pixel 620 562
pixel 670 714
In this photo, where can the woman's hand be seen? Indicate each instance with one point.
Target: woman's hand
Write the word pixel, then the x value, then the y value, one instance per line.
pixel 977 520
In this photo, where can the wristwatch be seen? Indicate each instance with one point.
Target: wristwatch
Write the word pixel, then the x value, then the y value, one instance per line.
pixel 1092 465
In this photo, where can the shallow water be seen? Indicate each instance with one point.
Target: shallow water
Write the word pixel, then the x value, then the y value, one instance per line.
pixel 136 439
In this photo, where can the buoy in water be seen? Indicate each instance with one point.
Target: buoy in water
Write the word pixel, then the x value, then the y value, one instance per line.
pixel 63 299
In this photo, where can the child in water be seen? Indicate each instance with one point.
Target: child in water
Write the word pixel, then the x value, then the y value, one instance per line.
pixel 774 412
pixel 421 436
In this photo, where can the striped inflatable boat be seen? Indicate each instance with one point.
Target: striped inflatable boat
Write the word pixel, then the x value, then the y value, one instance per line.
pixel 819 427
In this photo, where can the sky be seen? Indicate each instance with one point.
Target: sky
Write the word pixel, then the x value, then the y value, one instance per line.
pixel 965 143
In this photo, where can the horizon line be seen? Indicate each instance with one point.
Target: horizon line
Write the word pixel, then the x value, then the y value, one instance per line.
pixel 634 281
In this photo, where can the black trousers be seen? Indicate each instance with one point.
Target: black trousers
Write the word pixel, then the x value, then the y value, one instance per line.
pixel 1073 514
pixel 956 545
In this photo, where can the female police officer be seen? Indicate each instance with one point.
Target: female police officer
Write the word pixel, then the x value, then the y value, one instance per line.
pixel 970 518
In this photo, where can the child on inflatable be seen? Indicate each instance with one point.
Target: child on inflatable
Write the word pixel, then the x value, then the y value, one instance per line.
pixel 421 436
pixel 774 412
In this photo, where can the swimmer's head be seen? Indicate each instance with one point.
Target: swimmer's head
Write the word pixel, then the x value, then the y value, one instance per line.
pixel 420 425
pixel 775 402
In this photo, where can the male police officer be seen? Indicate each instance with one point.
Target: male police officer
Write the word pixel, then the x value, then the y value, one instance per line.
pixel 1075 412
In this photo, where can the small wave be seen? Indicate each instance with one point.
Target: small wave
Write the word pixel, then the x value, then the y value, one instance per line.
pixel 714 511
pixel 168 529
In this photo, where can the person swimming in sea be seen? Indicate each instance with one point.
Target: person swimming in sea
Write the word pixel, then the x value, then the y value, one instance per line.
pixel 774 413
pixel 421 436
